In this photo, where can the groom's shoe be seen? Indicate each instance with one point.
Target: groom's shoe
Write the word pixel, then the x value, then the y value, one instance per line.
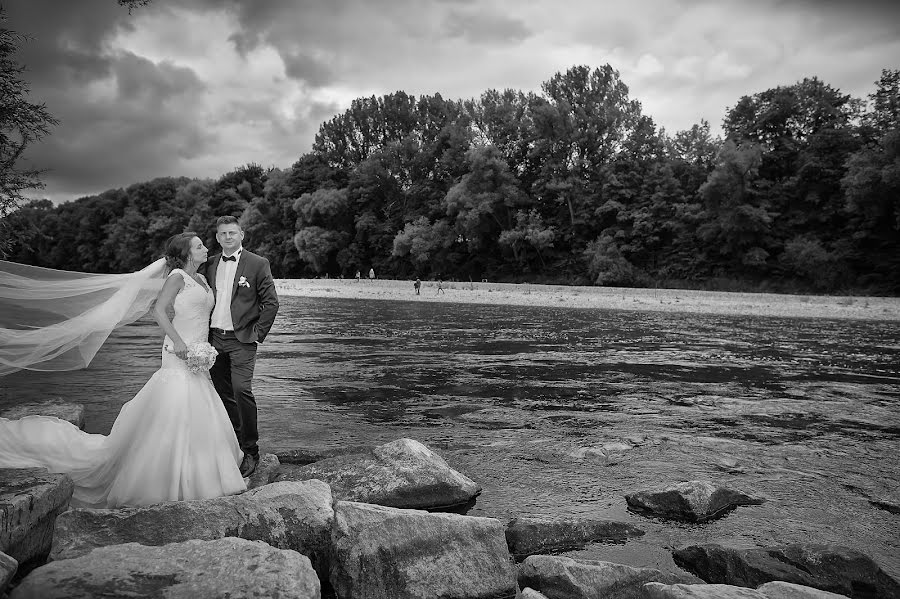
pixel 248 465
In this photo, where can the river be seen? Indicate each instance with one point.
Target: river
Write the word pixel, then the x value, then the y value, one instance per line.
pixel 561 412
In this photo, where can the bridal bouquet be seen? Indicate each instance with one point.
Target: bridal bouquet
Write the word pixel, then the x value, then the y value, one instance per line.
pixel 201 356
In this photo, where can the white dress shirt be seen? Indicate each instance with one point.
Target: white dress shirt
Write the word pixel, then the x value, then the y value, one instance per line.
pixel 225 271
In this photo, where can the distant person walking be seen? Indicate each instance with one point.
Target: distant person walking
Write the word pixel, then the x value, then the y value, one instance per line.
pixel 417 285
pixel 357 276
pixel 440 288
pixel 371 274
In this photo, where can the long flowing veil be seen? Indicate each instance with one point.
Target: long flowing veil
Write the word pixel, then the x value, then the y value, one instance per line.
pixel 57 320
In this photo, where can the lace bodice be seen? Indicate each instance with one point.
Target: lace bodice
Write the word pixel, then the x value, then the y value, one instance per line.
pixel 193 305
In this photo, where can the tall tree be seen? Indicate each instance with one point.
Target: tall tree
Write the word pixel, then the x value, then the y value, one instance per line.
pixel 22 123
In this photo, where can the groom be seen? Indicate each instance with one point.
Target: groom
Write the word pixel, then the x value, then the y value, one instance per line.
pixel 246 304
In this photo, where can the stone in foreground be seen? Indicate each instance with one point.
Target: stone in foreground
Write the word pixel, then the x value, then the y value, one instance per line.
pixel 691 501
pixel 30 501
pixel 656 590
pixel 557 576
pixel 770 590
pixel 286 515
pixel 405 554
pixel 8 567
pixel 234 568
pixel 530 536
pixel 787 590
pixel 826 567
pixel 70 412
pixel 403 473
pixel 531 594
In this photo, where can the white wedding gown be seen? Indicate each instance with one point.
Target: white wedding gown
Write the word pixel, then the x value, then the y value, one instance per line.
pixel 172 441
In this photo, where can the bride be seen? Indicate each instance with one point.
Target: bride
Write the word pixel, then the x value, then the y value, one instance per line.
pixel 172 441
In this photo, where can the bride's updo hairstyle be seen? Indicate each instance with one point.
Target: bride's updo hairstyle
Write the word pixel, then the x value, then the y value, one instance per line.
pixel 178 249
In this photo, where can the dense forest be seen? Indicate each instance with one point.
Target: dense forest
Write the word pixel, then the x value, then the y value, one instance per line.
pixel 574 184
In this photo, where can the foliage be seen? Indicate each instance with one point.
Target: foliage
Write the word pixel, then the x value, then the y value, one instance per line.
pixel 573 184
pixel 22 123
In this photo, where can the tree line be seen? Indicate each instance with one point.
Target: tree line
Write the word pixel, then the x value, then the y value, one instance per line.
pixel 572 184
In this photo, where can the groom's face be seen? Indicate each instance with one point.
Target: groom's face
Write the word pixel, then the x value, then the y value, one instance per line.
pixel 229 237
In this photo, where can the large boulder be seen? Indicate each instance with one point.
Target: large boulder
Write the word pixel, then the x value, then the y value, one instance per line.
pixel 827 567
pixel 558 577
pixel 530 536
pixel 531 594
pixel 71 412
pixel 656 590
pixel 770 590
pixel 30 501
pixel 304 455
pixel 691 501
pixel 787 590
pixel 404 554
pixel 234 568
pixel 403 473
pixel 8 567
pixel 286 515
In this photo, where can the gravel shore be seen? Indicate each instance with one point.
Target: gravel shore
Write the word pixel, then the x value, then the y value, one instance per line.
pixel 615 298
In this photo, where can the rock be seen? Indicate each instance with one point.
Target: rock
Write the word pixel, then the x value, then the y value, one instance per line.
pixel 531 594
pixel 529 536
pixel 887 505
pixel 266 471
pixel 30 501
pixel 8 568
pixel 786 590
pixel 770 590
pixel 827 567
pixel 616 446
pixel 286 515
pixel 234 568
pixel 692 501
pixel 655 590
pixel 304 456
pixel 389 552
pixel 71 412
pixel 403 473
pixel 558 576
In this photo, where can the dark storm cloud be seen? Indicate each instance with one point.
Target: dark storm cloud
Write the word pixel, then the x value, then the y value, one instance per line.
pixel 303 67
pixel 122 118
pixel 485 27
pixel 198 87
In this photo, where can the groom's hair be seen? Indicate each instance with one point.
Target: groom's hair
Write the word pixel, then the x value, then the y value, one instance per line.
pixel 227 220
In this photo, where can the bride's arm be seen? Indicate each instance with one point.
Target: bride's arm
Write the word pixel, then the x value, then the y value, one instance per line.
pixel 164 301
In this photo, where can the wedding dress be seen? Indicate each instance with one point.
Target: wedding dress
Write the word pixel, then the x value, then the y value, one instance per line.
pixel 172 441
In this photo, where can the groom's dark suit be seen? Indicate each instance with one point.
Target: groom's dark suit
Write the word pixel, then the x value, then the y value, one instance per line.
pixel 254 305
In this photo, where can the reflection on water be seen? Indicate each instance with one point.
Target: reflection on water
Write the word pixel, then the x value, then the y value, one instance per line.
pixel 562 412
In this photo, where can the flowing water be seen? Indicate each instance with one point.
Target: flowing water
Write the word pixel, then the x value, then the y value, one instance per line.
pixel 561 412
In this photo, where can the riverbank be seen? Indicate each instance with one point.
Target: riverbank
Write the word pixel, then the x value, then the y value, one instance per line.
pixel 614 298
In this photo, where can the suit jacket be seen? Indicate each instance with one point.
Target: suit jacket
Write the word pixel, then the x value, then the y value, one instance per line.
pixel 254 302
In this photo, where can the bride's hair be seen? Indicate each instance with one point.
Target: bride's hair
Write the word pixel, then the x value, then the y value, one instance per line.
pixel 178 249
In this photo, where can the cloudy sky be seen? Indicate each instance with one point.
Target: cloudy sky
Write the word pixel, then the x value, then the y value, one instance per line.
pixel 199 87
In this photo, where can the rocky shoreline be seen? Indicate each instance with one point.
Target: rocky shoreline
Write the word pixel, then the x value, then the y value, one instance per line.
pixel 378 524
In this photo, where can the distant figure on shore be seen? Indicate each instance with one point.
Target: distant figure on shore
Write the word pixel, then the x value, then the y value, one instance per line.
pixel 357 276
pixel 371 274
pixel 417 285
pixel 440 288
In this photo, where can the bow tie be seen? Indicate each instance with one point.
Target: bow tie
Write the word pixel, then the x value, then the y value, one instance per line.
pixel 229 258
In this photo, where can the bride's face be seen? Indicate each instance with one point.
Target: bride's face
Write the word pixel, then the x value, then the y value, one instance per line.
pixel 198 252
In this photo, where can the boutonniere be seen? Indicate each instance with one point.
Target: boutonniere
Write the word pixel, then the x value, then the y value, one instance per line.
pixel 242 282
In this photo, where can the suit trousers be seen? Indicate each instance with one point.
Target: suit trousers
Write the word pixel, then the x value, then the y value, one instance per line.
pixel 232 376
